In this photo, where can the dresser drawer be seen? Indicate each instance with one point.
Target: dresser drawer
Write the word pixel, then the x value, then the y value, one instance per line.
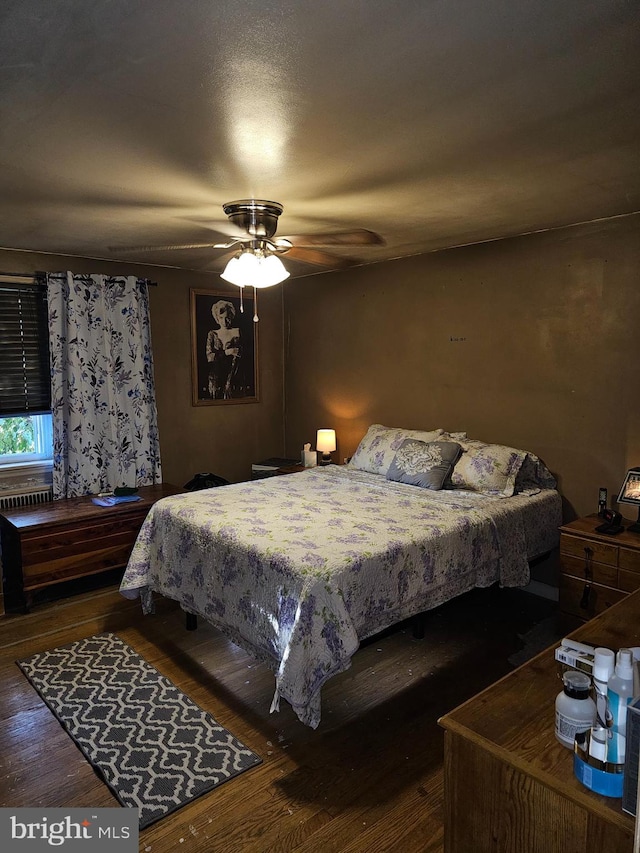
pixel 628 581
pixel 56 544
pixel 572 597
pixel 584 569
pixel 93 560
pixel 601 552
pixel 629 560
pixel 84 548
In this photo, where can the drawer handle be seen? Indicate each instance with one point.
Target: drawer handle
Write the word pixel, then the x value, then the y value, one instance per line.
pixel 584 601
pixel 588 557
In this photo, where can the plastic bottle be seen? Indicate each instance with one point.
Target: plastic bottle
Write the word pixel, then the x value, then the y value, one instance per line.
pixel 575 709
pixel 604 662
pixel 599 742
pixel 620 690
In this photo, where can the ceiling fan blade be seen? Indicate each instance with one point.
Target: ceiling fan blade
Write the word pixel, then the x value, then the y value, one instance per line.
pixel 321 259
pixel 232 242
pixel 359 237
pixel 169 247
pixel 226 228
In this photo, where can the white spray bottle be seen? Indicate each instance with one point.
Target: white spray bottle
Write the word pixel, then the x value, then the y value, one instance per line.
pixel 619 694
pixel 604 663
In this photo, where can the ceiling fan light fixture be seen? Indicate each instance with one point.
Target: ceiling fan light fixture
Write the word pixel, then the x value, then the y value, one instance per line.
pixel 272 271
pixel 255 270
pixel 231 272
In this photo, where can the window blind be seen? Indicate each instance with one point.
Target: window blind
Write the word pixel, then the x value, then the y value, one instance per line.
pixel 25 384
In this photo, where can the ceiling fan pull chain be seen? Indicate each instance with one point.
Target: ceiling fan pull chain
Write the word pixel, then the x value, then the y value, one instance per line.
pixel 241 302
pixel 255 303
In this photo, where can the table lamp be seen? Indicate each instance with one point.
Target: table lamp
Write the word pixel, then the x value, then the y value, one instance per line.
pixel 326 444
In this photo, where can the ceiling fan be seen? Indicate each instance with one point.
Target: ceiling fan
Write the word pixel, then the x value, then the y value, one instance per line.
pixel 255 249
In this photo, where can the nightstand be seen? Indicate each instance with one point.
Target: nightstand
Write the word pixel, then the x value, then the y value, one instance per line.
pixel 596 570
pixel 291 469
pixel 273 466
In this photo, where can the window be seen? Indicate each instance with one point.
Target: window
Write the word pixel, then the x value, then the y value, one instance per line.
pixel 25 392
pixel 25 439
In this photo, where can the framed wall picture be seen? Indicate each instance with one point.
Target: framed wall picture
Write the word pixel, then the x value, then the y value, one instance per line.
pixel 224 348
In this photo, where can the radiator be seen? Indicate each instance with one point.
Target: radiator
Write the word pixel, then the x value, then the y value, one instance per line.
pixel 26 497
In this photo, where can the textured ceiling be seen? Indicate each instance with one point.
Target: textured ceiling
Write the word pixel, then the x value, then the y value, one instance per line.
pixel 432 122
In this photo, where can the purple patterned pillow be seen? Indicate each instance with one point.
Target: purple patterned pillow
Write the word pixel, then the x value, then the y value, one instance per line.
pixel 488 468
pixel 378 447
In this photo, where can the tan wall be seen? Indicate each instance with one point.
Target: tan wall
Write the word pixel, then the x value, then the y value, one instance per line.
pixel 529 341
pixel 224 439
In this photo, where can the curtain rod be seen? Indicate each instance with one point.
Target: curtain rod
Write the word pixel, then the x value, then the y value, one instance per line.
pixel 32 277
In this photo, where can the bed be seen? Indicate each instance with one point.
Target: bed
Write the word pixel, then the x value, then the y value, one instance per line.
pixel 299 569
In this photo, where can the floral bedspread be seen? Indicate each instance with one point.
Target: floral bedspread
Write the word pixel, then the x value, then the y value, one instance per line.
pixel 298 569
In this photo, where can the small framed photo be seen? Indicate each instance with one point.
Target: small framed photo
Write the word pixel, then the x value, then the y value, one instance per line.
pixel 630 490
pixel 224 348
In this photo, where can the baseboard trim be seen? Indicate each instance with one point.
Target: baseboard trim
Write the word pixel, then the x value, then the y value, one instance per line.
pixel 544 590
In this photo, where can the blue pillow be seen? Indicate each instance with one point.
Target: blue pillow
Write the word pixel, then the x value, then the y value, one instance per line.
pixel 424 464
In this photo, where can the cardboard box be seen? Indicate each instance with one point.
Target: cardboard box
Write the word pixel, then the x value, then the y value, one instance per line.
pixel 576 659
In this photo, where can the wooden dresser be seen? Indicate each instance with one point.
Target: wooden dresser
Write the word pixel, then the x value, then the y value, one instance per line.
pixel 596 570
pixel 509 784
pixel 68 539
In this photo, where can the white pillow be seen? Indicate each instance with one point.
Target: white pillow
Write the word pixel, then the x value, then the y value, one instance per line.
pixel 377 449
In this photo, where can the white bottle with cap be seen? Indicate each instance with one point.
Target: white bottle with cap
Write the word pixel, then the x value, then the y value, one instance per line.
pixel 604 662
pixel 620 690
pixel 575 709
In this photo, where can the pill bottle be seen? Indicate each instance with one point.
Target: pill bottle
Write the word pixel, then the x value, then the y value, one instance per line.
pixel 575 709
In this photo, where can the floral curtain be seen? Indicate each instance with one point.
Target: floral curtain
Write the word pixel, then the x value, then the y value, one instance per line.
pixel 105 430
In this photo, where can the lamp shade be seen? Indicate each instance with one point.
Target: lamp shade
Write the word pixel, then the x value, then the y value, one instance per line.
pixel 255 270
pixel 272 271
pixel 326 440
pixel 231 272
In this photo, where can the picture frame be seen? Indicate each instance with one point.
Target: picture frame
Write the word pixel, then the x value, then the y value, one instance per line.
pixel 224 348
pixel 630 494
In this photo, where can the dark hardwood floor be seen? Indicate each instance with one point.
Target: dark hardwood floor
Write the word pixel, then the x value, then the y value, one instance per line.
pixel 369 778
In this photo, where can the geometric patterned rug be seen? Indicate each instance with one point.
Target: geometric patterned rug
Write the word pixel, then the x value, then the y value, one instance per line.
pixel 153 746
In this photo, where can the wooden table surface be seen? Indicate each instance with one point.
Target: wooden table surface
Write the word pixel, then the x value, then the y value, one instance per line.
pixel 511 724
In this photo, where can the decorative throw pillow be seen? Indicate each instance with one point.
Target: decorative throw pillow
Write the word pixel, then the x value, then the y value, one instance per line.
pixel 378 447
pixel 488 468
pixel 424 464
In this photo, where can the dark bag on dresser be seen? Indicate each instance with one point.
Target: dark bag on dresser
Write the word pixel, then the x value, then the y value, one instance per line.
pixel 205 481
